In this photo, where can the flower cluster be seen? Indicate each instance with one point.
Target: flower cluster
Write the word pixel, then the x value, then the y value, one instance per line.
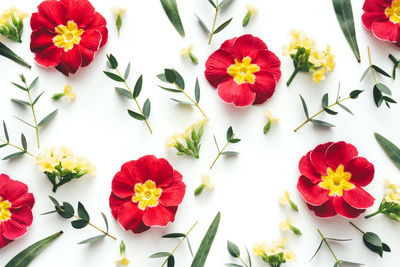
pixel 192 138
pixel 276 254
pixel 390 204
pixel 11 23
pixel 306 57
pixel 61 165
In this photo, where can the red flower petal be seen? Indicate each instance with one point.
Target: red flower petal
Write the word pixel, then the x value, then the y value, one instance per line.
pixel 362 171
pixel 268 62
pixel 264 87
pixel 312 193
pixel 13 190
pixel 25 199
pixel 344 209
pixel 376 5
pixel 41 39
pixel 216 67
pixel 174 193
pixel 3 241
pixel 369 18
pixel 79 11
pixel 247 46
pixel 50 57
pixel 12 229
pixel 71 60
pixel 151 168
pixel 326 210
pixel 228 44
pixel 22 215
pixel 99 23
pixel 51 14
pixel 123 185
pixel 385 30
pixel 306 168
pixel 358 198
pixel 89 44
pixel 129 216
pixel 140 228
pixel 240 95
pixel 339 154
pixel 159 215
pixel 115 204
pixel 317 157
pixel 4 180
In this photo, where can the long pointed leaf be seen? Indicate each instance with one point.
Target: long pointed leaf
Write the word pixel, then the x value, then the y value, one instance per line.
pixel 8 53
pixel 223 26
pixel 171 9
pixel 304 107
pixel 48 118
pixel 390 149
pixel 203 25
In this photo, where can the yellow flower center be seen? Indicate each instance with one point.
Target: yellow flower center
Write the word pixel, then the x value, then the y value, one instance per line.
pixel 68 36
pixel 146 194
pixel 393 12
pixel 4 210
pixel 243 71
pixel 336 181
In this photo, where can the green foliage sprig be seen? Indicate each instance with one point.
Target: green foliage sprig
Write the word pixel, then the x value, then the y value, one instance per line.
pixel 391 209
pixel 22 150
pixel 173 77
pixel 234 251
pixel 144 113
pixel 390 149
pixel 381 92
pixel 373 242
pixel 171 9
pixel 214 30
pixel 82 219
pixel 31 104
pixel 8 53
pixel 13 30
pixel 396 63
pixel 338 263
pixel 230 139
pixel 170 259
pixel 326 107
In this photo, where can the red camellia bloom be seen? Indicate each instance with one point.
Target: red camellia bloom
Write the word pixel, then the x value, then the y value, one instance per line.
pixel 66 34
pixel 15 209
pixel 331 179
pixel 146 192
pixel 244 71
pixel 382 17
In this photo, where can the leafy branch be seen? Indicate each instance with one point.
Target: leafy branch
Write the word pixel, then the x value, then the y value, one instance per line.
pixel 214 30
pixel 230 137
pixel 144 113
pixel 373 242
pixel 6 142
pixel 326 107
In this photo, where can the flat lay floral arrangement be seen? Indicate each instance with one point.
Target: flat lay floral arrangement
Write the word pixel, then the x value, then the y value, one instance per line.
pixel 277 145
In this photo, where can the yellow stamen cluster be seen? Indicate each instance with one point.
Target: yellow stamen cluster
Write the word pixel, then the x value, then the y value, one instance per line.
pixel 68 35
pixel 5 206
pixel 7 15
pixel 124 261
pixel 62 157
pixel 393 12
pixel 146 194
pixel 336 181
pixel 243 71
pixel 392 193
pixel 277 246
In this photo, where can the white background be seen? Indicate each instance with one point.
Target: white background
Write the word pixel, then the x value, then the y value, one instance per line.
pixel 247 187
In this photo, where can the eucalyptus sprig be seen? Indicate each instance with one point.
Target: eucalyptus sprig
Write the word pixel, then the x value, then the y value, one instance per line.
pixel 173 77
pixel 396 63
pixel 326 107
pixel 381 92
pixel 82 219
pixel 169 256
pixel 31 104
pixel 230 139
pixel 373 242
pixel 338 263
pixel 391 209
pixel 144 113
pixel 8 53
pixel 218 5
pixel 23 149
pixel 234 251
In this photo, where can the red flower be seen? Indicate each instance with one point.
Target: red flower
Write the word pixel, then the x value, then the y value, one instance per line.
pixel 382 17
pixel 146 192
pixel 331 179
pixel 66 34
pixel 244 71
pixel 15 209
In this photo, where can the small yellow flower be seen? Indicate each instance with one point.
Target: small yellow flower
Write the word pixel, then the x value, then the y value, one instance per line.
pixel 70 164
pixel 280 243
pixel 118 11
pixel 270 117
pixel 284 226
pixel 123 261
pixel 207 181
pixel 283 200
pixel 187 50
pixel 69 94
pixel 251 9
pixel 394 187
pixel 289 255
pixel 318 75
pixel 259 248
pixel 173 140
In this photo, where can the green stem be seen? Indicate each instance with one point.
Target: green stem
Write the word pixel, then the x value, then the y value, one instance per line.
pixel 215 21
pixel 34 115
pixel 17 147
pixel 329 247
pixel 370 66
pixel 372 214
pixel 191 100
pixel 315 115
pixel 243 261
pixel 134 98
pixel 355 226
pixel 180 242
pixel 296 70
pixel 219 154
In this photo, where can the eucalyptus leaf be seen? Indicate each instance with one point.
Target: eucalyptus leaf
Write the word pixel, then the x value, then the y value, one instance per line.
pixel 19 86
pixel 170 89
pixel 171 261
pixel 37 99
pixel 5 131
pixel 23 142
pixel 127 70
pixel 179 80
pixel 378 99
pixel 365 73
pixel 330 111
pixel 170 75
pixel 3 145
pixel 171 9
pixel 233 265
pixel 138 87
pixel 114 77
pixel 136 115
pixel 146 108
pixel 20 102
pixel 123 92
pixel 48 118
pixel 112 61
pixel 92 239
pixel 383 88
pixel 159 255
pixel 162 78
pixel 79 224
pixel 33 83
pixel 225 3
pixel 173 235
pixel 354 94
pixel 67 210
pixel 234 140
pixel 212 3
pixel 82 212
pixel 27 123
pixel 322 123
pixel 223 25
pixel 182 102
pixel 390 149
pixel 229 133
pixel 197 91
pixel 325 100
pixel 373 242
pixel 381 71
pixel 14 155
pixel 105 220
pixel 203 25
pixel 345 108
pixel 248 257
pixel 304 107
pixel 346 263
pixel 233 249
pixel 318 249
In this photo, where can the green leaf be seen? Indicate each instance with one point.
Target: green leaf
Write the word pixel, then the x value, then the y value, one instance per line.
pixel 112 61
pixel 136 115
pixel 174 235
pixel 373 242
pixel 346 263
pixel 197 91
pixel 179 80
pixel 354 94
pixel 79 224
pixel 37 99
pixel 25 257
pixel 67 210
pixel 171 261
pixel 55 202
pixel 8 53
pixel 203 25
pixel 212 3
pixel 345 108
pixel 170 75
pixel 3 145
pixel 390 149
pixel 138 87
pixel 114 77
pixel 162 78
pixel 105 221
pixel 230 153
pixel 170 89
pixel 27 123
pixel 216 143
pixel 223 25
pixel 325 100
pixel 304 107
pixel 205 246
pixel 159 255
pixel 189 246
pixel 378 99
pixel 344 14
pixel 182 102
pixel 330 111
pixel 386 248
pixel 58 96
pixel 267 127
pixel 123 92
pixel 6 132
pixel 82 212
pixel 33 83
pixel 233 249
pixel 92 239
pixel 318 249
pixel 23 142
pixel 322 123
pixel 224 3
pixel 365 73
pixel 234 140
pixel 388 99
pixel 233 265
pixel 229 133
pixel 14 155
pixel 19 86
pixel 248 257
pixel 146 108
pixel 381 71
pixel 48 118
pixel 383 88
pixel 20 102
pixel 127 70
pixel 171 9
